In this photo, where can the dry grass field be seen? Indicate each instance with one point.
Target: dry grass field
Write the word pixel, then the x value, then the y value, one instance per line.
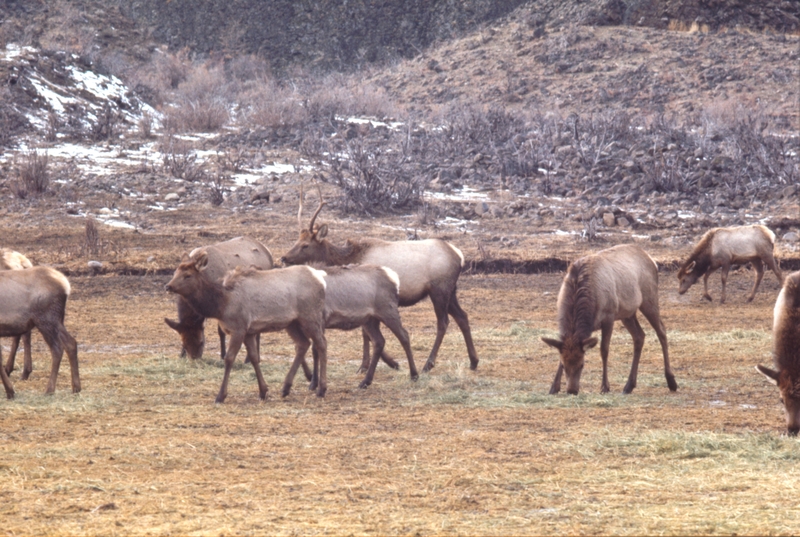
pixel 144 450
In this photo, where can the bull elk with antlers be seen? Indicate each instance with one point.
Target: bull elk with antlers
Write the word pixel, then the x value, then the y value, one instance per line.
pixel 428 268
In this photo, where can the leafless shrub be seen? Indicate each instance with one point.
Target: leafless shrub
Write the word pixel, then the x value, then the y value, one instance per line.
pixel 232 159
pixel 92 244
pixel 145 125
pixel 33 174
pixel 201 102
pixel 216 189
pixel 180 161
pixel 377 178
pixel 105 124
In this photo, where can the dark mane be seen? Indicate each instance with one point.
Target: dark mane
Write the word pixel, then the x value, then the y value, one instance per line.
pixel 349 254
pixel 577 311
pixel 701 255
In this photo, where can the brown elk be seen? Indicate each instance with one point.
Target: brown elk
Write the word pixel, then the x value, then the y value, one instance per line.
pixel 365 296
pixel 248 302
pixel 11 260
pixel 597 290
pixel 723 247
pixel 222 257
pixel 37 298
pixel 786 350
pixel 427 268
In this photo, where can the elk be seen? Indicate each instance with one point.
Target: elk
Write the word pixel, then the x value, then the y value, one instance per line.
pixel 37 298
pixel 222 257
pixel 11 260
pixel 427 268
pixel 723 247
pixel 597 290
pixel 786 351
pixel 365 296
pixel 248 302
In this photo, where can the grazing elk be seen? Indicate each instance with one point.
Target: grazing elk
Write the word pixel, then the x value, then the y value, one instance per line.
pixel 786 350
pixel 37 298
pixel 365 296
pixel 425 268
pixel 597 290
pixel 723 247
pixel 248 302
pixel 222 257
pixel 11 260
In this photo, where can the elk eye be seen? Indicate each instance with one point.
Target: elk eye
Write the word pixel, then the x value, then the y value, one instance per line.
pixel 304 247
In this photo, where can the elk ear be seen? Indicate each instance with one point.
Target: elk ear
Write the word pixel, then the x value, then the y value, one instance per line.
pixel 173 324
pixel 185 257
pixel 322 232
pixel 588 343
pixel 553 342
pixel 690 267
pixel 201 260
pixel 771 374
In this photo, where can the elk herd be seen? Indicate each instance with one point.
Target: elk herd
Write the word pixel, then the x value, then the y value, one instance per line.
pixel 364 282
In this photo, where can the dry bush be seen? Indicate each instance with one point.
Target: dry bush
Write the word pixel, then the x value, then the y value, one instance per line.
pixel 201 102
pixel 216 189
pixel 180 161
pixel 92 244
pixel 106 123
pixel 33 174
pixel 271 105
pixel 145 125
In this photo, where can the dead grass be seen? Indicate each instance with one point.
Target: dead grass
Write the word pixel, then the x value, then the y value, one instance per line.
pixel 143 449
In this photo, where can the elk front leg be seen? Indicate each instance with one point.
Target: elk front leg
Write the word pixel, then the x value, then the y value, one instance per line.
pixel 605 342
pixel 6 381
pixel 556 386
pixel 705 285
pixel 251 344
pixel 233 349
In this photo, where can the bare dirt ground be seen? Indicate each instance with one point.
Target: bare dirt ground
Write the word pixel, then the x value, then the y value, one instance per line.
pixel 144 450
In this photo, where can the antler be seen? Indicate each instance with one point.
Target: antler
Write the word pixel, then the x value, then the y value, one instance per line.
pixel 300 210
pixel 321 203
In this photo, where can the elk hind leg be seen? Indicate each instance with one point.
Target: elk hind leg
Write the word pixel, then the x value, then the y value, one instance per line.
pixel 440 307
pixel 373 329
pixel 635 329
pixel 365 357
pixel 773 265
pixel 653 316
pixel 759 267
pixel 460 316
pixel 394 324
pixel 69 344
pixel 301 345
pixel 27 368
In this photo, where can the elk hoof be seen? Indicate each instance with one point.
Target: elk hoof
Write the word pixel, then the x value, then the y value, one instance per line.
pixel 414 376
pixel 25 375
pixel 708 297
pixel 10 395
pixel 473 365
pixel 628 389
pixel 673 386
pixel 220 399
pixel 428 367
pixel 750 299
pixel 364 384
pixel 321 391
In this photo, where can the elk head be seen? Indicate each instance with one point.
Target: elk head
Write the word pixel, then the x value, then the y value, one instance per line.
pixel 193 338
pixel 310 246
pixel 790 395
pixel 688 276
pixel 185 280
pixel 572 351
